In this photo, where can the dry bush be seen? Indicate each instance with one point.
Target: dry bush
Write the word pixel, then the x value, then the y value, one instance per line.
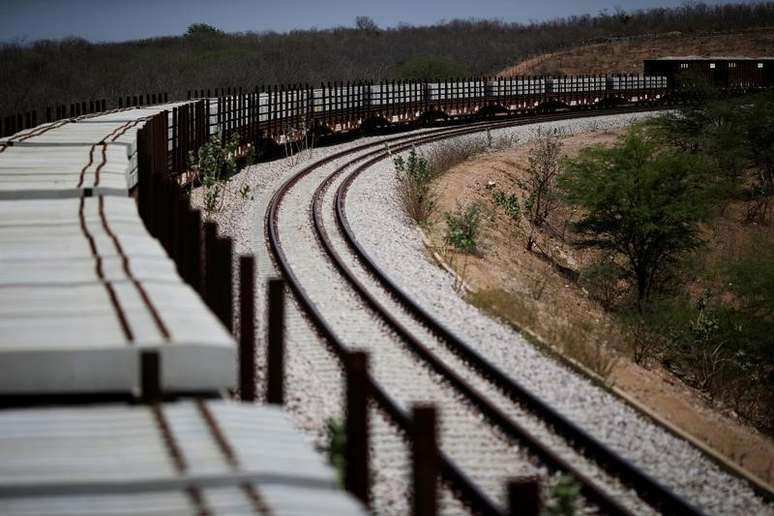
pixel 414 191
pixel 586 348
pixel 579 342
pixel 503 304
pixel 605 283
pixel 644 344
pixel 445 155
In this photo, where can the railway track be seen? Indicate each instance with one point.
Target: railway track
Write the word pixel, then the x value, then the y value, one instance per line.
pixel 492 419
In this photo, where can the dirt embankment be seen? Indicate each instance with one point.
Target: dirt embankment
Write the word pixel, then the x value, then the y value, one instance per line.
pixel 627 56
pixel 526 290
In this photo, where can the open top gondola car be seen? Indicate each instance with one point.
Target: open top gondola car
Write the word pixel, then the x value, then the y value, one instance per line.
pixel 725 72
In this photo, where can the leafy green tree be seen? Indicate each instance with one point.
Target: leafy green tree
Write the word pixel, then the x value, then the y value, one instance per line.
pixel 641 202
pixel 198 30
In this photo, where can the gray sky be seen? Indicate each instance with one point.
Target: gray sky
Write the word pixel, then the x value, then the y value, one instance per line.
pixel 119 20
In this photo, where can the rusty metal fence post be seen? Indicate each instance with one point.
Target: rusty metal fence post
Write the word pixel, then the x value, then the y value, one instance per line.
pixel 425 461
pixel 150 376
pixel 247 328
pixel 275 388
pixel 193 250
pixel 209 288
pixel 524 497
pixel 357 474
pixel 226 283
pixel 181 234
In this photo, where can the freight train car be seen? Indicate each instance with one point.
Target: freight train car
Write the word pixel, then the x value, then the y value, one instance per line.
pixel 730 73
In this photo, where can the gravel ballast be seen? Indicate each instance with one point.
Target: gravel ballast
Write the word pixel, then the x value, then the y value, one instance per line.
pixel 397 247
pixel 314 381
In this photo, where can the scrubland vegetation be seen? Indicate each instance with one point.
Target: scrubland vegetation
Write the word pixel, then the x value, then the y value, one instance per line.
pixel 674 231
pixel 708 314
pixel 45 73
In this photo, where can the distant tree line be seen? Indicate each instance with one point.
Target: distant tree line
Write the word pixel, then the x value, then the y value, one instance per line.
pixel 48 72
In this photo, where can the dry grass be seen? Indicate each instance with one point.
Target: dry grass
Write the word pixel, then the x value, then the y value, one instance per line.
pixel 523 289
pixel 450 153
pixel 570 341
pixel 417 203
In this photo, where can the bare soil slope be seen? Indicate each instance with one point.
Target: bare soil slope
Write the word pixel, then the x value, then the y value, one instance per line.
pixel 525 290
pixel 627 56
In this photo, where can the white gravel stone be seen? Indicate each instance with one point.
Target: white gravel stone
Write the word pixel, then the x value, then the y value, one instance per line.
pixel 314 382
pixel 314 385
pixel 397 247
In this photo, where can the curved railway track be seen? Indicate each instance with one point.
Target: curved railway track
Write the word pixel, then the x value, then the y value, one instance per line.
pixel 473 385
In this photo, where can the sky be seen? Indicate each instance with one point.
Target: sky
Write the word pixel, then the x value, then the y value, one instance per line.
pixel 121 20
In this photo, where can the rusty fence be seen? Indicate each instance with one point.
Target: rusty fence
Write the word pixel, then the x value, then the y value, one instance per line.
pixel 205 260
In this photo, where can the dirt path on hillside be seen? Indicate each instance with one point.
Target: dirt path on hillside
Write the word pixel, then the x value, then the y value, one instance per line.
pixel 518 286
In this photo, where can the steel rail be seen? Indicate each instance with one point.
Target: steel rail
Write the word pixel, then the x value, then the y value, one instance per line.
pixel 495 415
pixel 461 484
pixel 649 489
pixel 472 494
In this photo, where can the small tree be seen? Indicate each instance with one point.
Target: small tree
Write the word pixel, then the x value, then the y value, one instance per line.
pixel 366 24
pixel 202 30
pixel 640 202
pixel 462 228
pixel 540 182
pixel 212 165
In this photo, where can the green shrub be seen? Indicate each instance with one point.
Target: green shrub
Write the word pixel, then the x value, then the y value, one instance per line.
pixel 335 446
pixel 509 204
pixel 244 192
pixel 212 165
pixel 718 347
pixel 462 228
pixel 563 499
pixel 751 279
pixel 735 134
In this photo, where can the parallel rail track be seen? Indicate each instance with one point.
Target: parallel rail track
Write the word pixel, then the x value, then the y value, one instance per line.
pixel 647 488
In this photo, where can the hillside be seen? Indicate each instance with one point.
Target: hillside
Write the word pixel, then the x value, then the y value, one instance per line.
pixel 563 316
pixel 55 72
pixel 626 55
